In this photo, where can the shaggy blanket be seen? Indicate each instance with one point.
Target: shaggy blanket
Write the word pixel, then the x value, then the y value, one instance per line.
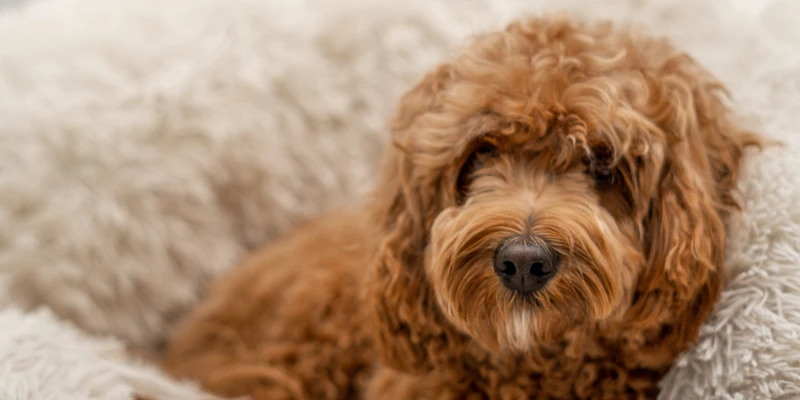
pixel 144 147
pixel 46 359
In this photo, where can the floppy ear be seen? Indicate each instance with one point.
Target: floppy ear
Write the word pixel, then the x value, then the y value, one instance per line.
pixel 411 333
pixel 684 230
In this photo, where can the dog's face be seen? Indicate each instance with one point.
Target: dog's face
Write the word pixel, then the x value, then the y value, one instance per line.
pixel 544 234
pixel 555 176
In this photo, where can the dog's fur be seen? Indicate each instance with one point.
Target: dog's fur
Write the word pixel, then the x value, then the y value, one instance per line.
pixel 610 145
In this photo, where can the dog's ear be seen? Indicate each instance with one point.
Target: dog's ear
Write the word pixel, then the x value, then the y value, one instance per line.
pixel 410 332
pixel 692 195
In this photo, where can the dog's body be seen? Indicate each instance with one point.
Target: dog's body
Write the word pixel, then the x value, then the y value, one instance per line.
pixel 292 323
pixel 549 224
pixel 296 322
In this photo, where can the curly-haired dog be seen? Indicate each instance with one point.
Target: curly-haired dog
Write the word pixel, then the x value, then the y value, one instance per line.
pixel 549 224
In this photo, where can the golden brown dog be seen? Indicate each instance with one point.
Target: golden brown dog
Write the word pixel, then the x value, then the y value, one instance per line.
pixel 549 223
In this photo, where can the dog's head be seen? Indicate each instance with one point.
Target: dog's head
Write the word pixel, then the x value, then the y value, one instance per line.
pixel 554 176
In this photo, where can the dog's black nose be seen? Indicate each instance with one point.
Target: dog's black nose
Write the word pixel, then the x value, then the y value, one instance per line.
pixel 525 267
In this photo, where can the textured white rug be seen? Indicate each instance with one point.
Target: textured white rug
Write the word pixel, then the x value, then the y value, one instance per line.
pixel 42 358
pixel 145 146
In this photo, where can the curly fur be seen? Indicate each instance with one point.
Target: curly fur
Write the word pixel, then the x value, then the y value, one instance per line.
pixel 398 299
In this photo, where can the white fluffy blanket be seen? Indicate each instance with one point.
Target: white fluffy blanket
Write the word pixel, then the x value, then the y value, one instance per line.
pixel 144 146
pixel 46 359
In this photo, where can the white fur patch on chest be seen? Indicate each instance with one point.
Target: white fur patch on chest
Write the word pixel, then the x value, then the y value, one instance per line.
pixel 519 330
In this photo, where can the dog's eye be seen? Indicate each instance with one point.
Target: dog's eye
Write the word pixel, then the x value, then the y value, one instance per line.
pixel 477 159
pixel 599 165
pixel 486 150
pixel 600 171
pixel 480 156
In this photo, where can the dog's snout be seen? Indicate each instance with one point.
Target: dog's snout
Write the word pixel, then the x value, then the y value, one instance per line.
pixel 525 267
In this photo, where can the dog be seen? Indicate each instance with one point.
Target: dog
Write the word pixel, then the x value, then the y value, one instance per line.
pixel 549 222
